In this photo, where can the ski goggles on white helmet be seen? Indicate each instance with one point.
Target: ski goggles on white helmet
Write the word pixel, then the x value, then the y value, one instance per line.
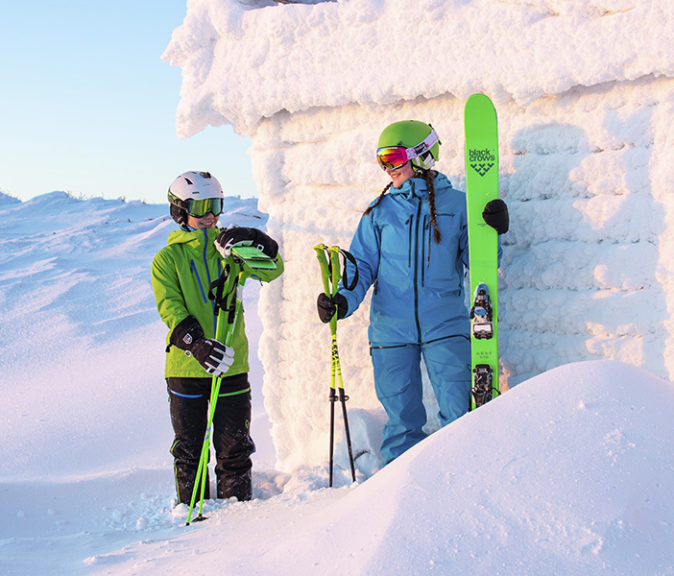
pixel 393 157
pixel 199 208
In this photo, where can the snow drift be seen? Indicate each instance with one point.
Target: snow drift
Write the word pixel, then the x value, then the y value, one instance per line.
pixel 572 469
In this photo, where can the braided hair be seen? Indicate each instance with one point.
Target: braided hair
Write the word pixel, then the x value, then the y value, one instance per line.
pixel 429 177
pixel 381 195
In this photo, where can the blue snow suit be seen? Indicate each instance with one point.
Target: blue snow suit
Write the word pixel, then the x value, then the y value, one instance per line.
pixel 417 307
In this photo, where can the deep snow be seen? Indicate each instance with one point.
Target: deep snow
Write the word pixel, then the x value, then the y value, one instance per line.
pixel 572 469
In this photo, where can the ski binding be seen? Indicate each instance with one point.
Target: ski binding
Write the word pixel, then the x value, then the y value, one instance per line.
pixel 482 384
pixel 481 313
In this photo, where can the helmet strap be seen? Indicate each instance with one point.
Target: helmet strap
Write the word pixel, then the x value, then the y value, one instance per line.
pixel 424 146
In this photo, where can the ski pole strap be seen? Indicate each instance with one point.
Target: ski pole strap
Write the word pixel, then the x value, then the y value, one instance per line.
pixel 345 278
pixel 217 288
pixel 222 289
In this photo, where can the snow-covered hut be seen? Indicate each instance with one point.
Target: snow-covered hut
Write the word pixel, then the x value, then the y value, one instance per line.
pixel 585 95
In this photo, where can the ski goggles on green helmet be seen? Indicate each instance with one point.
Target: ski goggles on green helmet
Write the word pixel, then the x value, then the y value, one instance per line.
pixel 394 157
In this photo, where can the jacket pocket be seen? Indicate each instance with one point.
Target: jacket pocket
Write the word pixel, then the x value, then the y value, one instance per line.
pixel 442 263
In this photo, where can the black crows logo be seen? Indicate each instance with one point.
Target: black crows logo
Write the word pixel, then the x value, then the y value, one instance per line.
pixel 481 160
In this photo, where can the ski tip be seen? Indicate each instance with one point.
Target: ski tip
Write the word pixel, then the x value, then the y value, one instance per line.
pixel 479 96
pixel 480 104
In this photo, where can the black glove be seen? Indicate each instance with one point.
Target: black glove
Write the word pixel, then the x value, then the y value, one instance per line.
pixel 214 357
pixel 236 236
pixel 496 215
pixel 328 306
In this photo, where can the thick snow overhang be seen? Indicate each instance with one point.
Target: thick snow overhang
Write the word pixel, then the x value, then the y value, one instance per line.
pixel 244 60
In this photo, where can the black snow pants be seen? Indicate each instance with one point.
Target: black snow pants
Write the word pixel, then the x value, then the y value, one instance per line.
pixel 189 399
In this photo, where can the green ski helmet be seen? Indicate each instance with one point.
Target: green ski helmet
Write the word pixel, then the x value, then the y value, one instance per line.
pixel 408 140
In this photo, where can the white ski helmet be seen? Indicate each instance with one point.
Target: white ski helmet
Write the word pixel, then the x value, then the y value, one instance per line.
pixel 196 194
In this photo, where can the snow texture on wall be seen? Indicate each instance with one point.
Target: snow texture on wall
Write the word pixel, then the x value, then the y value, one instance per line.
pixel 585 96
pixel 247 60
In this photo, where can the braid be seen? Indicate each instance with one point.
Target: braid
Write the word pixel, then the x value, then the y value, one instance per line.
pixel 429 177
pixel 384 191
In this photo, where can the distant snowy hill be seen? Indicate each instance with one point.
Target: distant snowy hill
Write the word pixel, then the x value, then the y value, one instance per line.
pixel 573 469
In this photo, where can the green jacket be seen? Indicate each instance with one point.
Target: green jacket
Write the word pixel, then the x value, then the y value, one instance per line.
pixel 182 272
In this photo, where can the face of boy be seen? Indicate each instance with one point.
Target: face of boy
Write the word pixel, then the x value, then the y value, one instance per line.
pixel 207 221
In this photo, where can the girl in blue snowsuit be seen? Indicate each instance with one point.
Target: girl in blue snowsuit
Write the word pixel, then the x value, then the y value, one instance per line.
pixel 412 245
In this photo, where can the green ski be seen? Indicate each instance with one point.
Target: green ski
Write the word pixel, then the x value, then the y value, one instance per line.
pixel 481 187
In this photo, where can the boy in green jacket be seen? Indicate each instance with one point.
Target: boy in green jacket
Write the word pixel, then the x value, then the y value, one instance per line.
pixel 182 273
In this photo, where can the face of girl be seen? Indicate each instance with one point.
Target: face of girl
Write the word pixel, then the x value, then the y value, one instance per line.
pixel 401 175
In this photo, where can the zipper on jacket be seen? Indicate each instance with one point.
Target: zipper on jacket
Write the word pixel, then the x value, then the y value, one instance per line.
pixel 193 267
pixel 208 272
pixel 416 267
pixel 195 271
pixel 423 250
pixel 430 242
pixel 208 278
pixel 409 223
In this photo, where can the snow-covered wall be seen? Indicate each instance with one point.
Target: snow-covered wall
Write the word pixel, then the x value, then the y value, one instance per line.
pixel 585 96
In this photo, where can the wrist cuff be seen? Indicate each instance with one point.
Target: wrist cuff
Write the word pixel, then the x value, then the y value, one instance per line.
pixel 186 333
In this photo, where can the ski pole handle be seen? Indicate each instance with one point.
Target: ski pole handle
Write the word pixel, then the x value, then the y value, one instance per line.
pixel 325 267
pixel 336 275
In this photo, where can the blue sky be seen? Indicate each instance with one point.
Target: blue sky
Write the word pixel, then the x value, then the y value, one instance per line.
pixel 87 105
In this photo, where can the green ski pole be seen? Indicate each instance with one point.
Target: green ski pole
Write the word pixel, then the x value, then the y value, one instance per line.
pixel 237 268
pixel 227 318
pixel 330 274
pixel 325 276
pixel 336 277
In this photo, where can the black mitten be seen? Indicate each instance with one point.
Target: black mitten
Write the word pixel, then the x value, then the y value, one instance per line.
pixel 496 215
pixel 327 306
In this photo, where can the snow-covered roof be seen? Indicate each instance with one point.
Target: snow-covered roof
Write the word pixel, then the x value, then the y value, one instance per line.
pixel 243 60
